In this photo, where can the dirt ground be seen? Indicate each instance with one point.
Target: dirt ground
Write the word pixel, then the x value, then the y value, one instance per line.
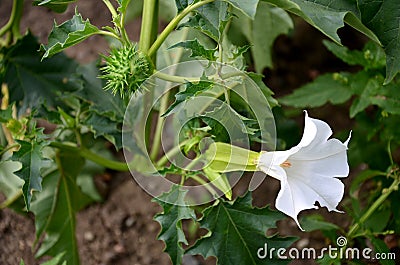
pixel 121 230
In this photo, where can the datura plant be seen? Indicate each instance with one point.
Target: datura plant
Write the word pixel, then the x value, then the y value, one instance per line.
pixel 200 132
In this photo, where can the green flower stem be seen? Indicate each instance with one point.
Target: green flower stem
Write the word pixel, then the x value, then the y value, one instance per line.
pixel 124 35
pixel 385 193
pixel 86 153
pixel 172 25
pixel 155 148
pixel 171 153
pixel 110 34
pixel 205 184
pixel 185 79
pixel 175 79
pixel 164 103
pixel 149 25
pixel 15 18
pixel 110 7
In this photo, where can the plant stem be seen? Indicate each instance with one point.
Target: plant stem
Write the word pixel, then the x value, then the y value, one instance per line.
pixel 175 79
pixel 205 184
pixel 373 207
pixel 15 18
pixel 172 25
pixel 149 25
pixel 86 153
pixel 164 103
pixel 110 7
pixel 108 33
pixel 163 160
pixel 155 148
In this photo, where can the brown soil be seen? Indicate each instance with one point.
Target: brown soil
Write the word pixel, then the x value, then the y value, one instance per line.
pixel 121 230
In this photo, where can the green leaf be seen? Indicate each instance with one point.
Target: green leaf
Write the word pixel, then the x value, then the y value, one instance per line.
pixel 267 92
pixel 379 20
pixel 211 19
pixel 102 102
pixel 32 82
pixel 325 15
pixel 236 231
pixel 220 181
pixel 68 34
pixel 197 49
pixel 6 114
pixel 371 57
pixel 56 206
pixel 171 222
pixel 333 88
pixel 248 7
pixel 370 87
pixel 191 90
pixel 269 23
pixel 10 184
pixel 56 260
pixel 182 4
pixel 105 127
pixel 123 5
pixel 383 18
pixel 227 118
pixel 316 222
pixel 374 93
pixel 55 5
pixel 31 157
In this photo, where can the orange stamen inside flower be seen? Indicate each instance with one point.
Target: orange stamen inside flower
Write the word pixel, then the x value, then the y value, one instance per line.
pixel 286 164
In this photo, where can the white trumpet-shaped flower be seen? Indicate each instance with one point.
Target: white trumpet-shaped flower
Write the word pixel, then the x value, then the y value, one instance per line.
pixel 308 172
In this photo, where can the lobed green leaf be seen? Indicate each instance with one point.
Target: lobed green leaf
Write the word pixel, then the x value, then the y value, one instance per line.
pixel 30 155
pixel 56 206
pixel 197 49
pixel 32 82
pixel 236 231
pixel 191 90
pixel 211 19
pixel 68 34
pixel 383 18
pixel 325 88
pixel 171 222
pixel 248 7
pixel 55 5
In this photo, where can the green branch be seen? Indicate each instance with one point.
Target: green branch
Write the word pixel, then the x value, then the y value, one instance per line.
pixel 15 18
pixel 374 206
pixel 148 30
pixel 86 153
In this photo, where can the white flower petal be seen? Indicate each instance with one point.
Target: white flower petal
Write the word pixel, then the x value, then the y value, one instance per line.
pixel 329 166
pixel 269 163
pixel 315 132
pixel 296 195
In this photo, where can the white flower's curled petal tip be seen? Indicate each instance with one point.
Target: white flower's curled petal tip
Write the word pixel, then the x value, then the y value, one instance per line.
pixel 338 211
pixel 346 143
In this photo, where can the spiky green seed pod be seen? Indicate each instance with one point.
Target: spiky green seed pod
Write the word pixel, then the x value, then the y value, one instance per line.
pixel 125 70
